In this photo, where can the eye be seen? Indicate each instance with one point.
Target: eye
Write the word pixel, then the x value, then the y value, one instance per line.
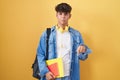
pixel 65 13
pixel 60 13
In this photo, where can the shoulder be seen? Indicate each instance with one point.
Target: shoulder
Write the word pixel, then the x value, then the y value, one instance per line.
pixel 74 31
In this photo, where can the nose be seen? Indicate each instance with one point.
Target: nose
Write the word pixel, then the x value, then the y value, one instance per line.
pixel 63 15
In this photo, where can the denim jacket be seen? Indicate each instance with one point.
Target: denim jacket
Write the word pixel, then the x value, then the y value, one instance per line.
pixel 76 40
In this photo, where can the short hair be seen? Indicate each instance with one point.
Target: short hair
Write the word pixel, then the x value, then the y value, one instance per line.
pixel 63 7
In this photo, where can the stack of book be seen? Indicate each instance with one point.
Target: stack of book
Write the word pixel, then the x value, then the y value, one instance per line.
pixel 56 67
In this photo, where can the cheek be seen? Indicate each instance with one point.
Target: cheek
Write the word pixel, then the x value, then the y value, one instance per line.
pixel 58 17
pixel 68 17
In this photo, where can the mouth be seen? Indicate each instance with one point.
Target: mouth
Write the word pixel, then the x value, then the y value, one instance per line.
pixel 63 20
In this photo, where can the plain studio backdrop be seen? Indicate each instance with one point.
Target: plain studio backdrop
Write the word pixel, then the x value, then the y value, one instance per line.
pixel 23 21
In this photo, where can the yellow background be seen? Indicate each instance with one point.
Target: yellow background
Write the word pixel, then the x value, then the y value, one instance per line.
pixel 23 21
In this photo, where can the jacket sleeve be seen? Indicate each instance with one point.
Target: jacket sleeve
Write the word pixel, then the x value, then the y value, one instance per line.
pixel 83 56
pixel 41 51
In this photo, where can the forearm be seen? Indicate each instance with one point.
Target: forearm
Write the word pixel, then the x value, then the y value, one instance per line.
pixel 42 65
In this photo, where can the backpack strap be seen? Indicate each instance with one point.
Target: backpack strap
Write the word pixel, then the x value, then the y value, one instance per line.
pixel 47 42
pixel 35 67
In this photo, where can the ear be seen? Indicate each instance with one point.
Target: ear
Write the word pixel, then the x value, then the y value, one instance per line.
pixel 70 16
pixel 56 14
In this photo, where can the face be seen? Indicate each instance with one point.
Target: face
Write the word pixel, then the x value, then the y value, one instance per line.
pixel 63 18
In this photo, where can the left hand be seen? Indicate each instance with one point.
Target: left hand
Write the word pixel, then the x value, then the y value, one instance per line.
pixel 81 49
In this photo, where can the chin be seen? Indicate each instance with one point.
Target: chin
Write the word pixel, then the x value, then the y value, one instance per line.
pixel 63 23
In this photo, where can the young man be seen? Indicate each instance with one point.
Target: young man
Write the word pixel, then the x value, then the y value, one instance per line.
pixel 64 42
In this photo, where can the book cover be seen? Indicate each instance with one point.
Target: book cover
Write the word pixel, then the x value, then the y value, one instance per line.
pixel 56 67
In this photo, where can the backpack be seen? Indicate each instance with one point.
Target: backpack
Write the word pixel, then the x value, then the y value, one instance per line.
pixel 35 67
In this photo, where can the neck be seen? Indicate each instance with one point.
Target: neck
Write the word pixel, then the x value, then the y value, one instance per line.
pixel 62 25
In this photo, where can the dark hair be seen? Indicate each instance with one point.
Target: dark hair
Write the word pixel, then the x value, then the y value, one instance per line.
pixel 63 7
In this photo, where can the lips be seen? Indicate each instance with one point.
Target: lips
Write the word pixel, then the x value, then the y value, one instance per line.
pixel 63 20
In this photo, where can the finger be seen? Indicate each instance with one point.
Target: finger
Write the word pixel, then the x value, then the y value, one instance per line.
pixel 83 49
pixel 52 75
pixel 49 76
pixel 80 50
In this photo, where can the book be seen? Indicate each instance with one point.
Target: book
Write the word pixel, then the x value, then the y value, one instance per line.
pixel 56 67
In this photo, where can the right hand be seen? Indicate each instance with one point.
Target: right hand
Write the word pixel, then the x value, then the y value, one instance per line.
pixel 50 76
